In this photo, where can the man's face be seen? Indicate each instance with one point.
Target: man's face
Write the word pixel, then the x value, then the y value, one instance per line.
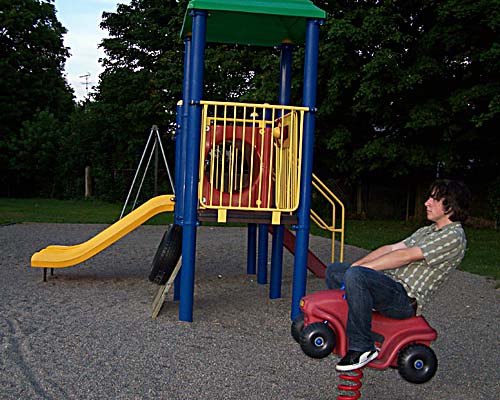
pixel 435 210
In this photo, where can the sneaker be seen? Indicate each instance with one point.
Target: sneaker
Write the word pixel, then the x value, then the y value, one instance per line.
pixel 356 359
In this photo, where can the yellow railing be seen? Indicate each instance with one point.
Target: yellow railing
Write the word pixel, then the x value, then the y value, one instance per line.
pixel 250 159
pixel 337 213
pixel 250 156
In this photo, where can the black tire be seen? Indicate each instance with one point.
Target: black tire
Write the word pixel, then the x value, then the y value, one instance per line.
pixel 317 340
pixel 167 255
pixel 297 326
pixel 417 363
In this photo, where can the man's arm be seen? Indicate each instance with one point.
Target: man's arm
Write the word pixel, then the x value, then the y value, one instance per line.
pixel 390 257
pixel 379 252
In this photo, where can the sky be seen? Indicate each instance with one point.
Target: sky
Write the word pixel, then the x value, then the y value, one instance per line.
pixel 81 18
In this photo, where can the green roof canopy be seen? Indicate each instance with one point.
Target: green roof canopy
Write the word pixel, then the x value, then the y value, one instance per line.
pixel 254 22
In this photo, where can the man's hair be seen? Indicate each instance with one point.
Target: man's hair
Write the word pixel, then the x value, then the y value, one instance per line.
pixel 456 198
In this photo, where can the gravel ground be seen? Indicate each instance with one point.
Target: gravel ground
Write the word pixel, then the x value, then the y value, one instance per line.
pixel 87 333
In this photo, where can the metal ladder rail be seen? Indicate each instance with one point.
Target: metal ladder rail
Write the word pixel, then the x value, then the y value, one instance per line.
pixel 334 201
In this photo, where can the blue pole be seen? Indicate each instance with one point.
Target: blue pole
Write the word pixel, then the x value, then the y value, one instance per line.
pixel 192 166
pixel 262 255
pixel 309 100
pixel 285 74
pixel 276 262
pixel 181 151
pixel 251 249
pixel 178 150
pixel 278 230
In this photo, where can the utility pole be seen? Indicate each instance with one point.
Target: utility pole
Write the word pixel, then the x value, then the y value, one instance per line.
pixel 86 76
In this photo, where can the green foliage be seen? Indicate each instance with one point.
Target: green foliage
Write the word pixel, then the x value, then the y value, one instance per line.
pixel 405 85
pixel 33 93
pixel 142 84
pixel 139 88
pixel 36 153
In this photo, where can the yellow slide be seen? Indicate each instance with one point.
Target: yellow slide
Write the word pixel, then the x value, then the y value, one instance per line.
pixel 66 256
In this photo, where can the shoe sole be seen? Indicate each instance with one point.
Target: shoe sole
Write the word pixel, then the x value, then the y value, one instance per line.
pixel 352 367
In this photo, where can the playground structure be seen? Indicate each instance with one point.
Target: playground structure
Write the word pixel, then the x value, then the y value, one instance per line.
pixel 280 136
pixel 239 162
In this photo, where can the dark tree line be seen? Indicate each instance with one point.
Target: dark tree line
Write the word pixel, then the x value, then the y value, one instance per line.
pixel 410 89
pixel 35 100
pixel 407 89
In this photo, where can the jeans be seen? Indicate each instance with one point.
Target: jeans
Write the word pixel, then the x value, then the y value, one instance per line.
pixel 367 290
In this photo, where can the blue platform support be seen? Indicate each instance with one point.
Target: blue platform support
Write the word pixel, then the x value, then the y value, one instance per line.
pixel 181 151
pixel 303 213
pixel 178 152
pixel 182 142
pixel 251 249
pixel 192 165
pixel 276 262
pixel 263 247
pixel 285 74
pixel 278 230
pixel 178 174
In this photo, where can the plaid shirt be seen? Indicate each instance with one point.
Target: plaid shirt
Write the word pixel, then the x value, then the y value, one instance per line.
pixel 443 250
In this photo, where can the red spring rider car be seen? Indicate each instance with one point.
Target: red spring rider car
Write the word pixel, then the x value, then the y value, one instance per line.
pixel 404 344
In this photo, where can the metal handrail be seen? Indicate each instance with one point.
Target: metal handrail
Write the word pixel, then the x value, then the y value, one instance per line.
pixel 333 228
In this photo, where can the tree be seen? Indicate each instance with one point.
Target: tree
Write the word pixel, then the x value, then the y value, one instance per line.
pixel 406 86
pixel 139 88
pixel 32 57
pixel 36 156
pixel 143 76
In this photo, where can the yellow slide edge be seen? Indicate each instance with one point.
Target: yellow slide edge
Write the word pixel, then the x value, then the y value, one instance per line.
pixel 67 256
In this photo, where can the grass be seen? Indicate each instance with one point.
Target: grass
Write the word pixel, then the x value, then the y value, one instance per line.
pixel 66 211
pixel 483 253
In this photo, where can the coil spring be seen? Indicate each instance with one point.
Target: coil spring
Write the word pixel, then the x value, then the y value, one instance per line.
pixel 351 385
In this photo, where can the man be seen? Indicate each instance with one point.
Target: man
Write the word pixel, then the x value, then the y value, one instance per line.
pixel 390 278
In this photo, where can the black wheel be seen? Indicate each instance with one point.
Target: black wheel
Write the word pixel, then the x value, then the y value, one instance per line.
pixel 297 326
pixel 167 255
pixel 317 340
pixel 417 363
